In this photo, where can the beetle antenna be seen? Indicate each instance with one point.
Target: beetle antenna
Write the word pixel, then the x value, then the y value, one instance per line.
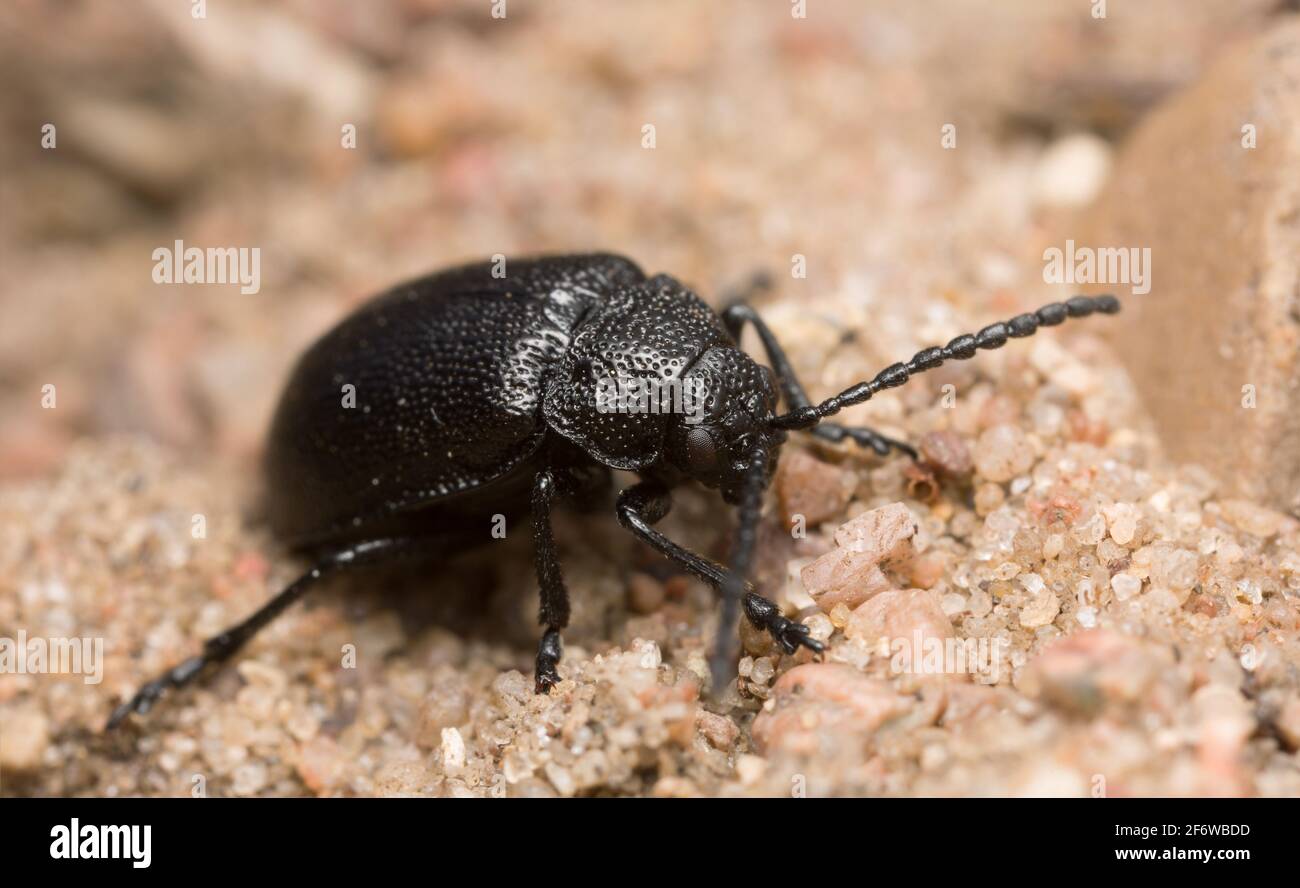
pixel 722 665
pixel 961 348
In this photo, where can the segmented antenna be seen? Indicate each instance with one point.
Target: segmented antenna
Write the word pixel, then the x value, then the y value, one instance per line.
pixel 961 348
pixel 742 557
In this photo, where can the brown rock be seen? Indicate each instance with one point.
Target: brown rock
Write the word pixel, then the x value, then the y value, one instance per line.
pixel 719 730
pixel 843 577
pixel 809 487
pixel 824 699
pixel 852 573
pixel 1084 672
pixel 1220 221
pixel 883 534
pixel 321 764
pixel 947 453
pixel 899 614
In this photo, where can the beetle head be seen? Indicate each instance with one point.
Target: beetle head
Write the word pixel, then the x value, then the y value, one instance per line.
pixel 728 403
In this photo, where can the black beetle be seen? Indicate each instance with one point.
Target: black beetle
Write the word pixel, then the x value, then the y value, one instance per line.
pixel 478 394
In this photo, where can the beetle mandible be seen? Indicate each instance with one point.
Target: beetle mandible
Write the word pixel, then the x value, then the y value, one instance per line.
pixel 479 395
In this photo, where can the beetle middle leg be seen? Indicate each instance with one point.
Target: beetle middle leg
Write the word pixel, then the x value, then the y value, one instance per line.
pixel 221 647
pixel 735 316
pixel 645 504
pixel 553 612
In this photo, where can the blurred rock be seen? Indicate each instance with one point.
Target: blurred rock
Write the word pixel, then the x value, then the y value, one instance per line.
pixel 900 614
pixel 820 701
pixel 1220 220
pixel 23 739
pixel 809 487
pixel 1085 672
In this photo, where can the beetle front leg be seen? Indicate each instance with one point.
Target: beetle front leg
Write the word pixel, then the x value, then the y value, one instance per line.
pixel 735 316
pixel 553 612
pixel 647 503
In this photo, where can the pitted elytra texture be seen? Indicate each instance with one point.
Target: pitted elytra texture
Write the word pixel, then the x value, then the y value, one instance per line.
pixel 475 399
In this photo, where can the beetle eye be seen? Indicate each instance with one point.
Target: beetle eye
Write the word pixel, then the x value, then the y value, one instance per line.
pixel 701 452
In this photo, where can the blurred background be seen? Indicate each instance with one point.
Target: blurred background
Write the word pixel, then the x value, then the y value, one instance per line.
pixel 773 136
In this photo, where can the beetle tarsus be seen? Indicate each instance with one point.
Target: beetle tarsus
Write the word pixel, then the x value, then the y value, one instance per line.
pixel 548 657
pixel 863 437
pixel 764 614
pixel 149 694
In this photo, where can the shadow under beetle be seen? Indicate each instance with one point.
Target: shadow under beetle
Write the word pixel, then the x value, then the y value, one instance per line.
pixel 477 396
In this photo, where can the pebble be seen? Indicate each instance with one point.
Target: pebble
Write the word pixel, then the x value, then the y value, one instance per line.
pixel 1174 569
pixel 1053 546
pixel 1072 170
pixel 882 535
pixel 988 498
pixel 249 779
pixel 824 700
pixel 453 749
pixel 561 779
pixel 1087 671
pixel 720 731
pixel 851 573
pixel 843 577
pixel 762 671
pixel 750 769
pixel 320 764
pixel 899 613
pixel 1041 611
pixel 263 675
pixel 953 603
pixel 809 487
pixel 947 453
pixel 23 739
pixel 1125 586
pixel 1003 452
pixel 1090 532
pixel 445 706
pixel 1122 519
pixel 1253 519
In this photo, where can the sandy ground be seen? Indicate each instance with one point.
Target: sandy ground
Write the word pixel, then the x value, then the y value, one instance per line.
pixel 1145 625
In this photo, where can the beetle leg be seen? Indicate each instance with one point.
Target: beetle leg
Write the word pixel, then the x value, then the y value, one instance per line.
pixel 735 316
pixel 862 436
pixel 554 610
pixel 644 504
pixel 220 647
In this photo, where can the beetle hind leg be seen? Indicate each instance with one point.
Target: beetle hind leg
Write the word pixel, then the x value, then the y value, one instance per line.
pixel 221 647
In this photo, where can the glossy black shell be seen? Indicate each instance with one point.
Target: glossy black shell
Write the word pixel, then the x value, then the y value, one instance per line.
pixel 449 374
